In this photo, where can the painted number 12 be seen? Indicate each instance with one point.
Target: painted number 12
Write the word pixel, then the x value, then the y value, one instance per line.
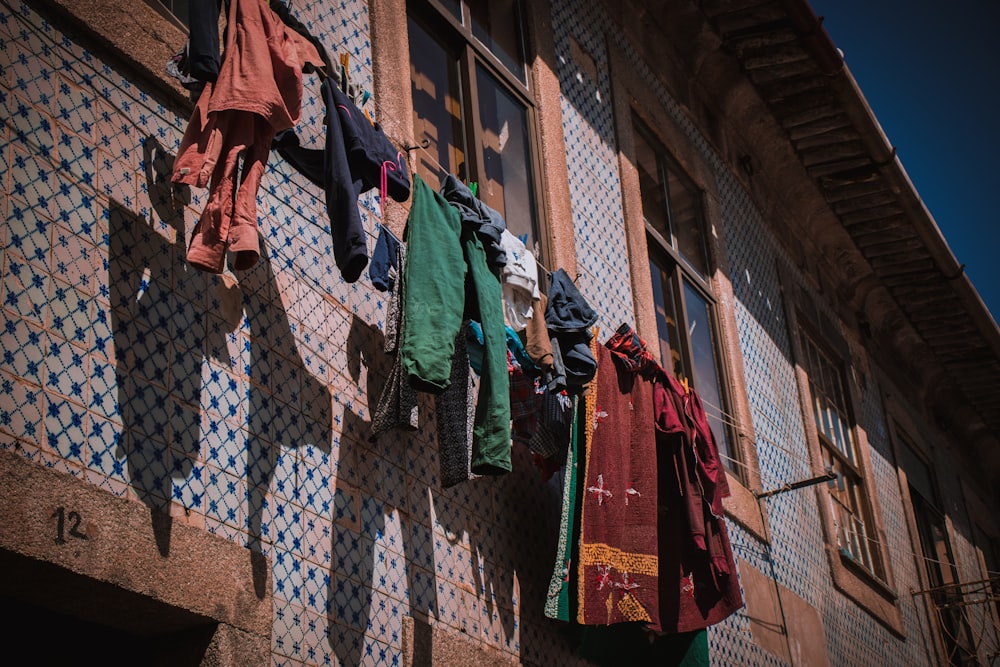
pixel 74 518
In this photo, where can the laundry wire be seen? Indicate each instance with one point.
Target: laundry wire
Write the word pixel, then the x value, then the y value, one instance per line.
pixel 84 75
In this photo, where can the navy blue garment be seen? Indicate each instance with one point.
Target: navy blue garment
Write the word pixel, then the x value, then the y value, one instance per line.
pixel 370 154
pixel 357 157
pixel 487 223
pixel 568 318
pixel 383 268
pixel 203 42
pixel 567 310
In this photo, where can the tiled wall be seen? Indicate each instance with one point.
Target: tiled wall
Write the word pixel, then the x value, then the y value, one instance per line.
pixel 591 158
pixel 796 554
pixel 241 401
pixel 245 399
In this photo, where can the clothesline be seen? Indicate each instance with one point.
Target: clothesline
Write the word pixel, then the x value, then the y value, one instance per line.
pixel 731 422
pixel 76 63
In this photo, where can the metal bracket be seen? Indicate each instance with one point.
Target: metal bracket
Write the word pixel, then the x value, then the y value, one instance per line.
pixel 791 486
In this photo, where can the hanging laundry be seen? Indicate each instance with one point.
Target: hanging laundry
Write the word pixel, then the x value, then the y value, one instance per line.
pixel 555 417
pixel 449 281
pixel 560 601
pixel 523 400
pixel 569 317
pixel 618 561
pixel 283 10
pixel 356 158
pixel 397 406
pixel 483 220
pixel 383 268
pixel 456 415
pixel 202 49
pixel 698 581
pixel 519 280
pixel 257 93
pixel 515 350
pixel 538 345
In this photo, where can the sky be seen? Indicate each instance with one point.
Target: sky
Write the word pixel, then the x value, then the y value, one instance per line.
pixel 931 73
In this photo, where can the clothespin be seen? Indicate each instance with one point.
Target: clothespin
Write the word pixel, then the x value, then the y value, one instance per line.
pixel 365 96
pixel 345 61
pixel 595 332
pixel 368 115
pixel 686 385
pixel 474 186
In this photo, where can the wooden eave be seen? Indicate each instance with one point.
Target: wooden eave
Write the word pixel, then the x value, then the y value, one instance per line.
pixel 798 73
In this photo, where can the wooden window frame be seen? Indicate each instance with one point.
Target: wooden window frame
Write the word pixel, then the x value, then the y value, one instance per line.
pixel 457 37
pixel 664 251
pixel 632 96
pixel 905 429
pixel 870 548
pixel 875 594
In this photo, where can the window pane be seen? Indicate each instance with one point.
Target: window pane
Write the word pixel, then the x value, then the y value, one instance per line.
pixel 939 562
pixel 666 320
pixel 701 337
pixel 829 401
pixel 506 181
pixel 453 7
pixel 437 107
pixel 497 25
pixel 918 474
pixel 853 532
pixel 654 199
pixel 856 537
pixel 686 222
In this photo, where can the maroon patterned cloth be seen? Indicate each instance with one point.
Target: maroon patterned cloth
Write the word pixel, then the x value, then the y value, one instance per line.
pixel 698 582
pixel 524 402
pixel 631 351
pixel 618 566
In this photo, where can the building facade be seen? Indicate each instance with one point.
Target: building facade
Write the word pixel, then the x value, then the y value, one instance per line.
pixel 187 473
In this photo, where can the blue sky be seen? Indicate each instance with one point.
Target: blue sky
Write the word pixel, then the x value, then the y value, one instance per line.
pixel 931 73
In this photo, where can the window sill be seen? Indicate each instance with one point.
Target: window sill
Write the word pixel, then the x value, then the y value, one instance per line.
pixel 867 591
pixel 141 39
pixel 743 508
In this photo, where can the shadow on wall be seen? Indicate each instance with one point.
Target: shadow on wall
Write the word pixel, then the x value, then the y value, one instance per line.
pixel 170 393
pixel 158 377
pixel 469 539
pixel 354 578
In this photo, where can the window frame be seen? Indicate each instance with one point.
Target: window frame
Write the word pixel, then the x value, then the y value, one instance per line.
pixel 871 548
pixel 458 39
pixel 632 96
pixel 684 273
pixel 902 427
pixel 875 595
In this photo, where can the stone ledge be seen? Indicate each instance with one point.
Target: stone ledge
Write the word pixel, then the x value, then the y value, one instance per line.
pixel 54 526
pixel 425 644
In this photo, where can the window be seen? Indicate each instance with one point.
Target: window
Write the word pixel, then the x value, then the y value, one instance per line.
pixel 939 562
pixel 678 268
pixel 471 104
pixel 991 565
pixel 851 509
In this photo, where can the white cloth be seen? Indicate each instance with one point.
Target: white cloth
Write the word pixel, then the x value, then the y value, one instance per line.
pixel 519 282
